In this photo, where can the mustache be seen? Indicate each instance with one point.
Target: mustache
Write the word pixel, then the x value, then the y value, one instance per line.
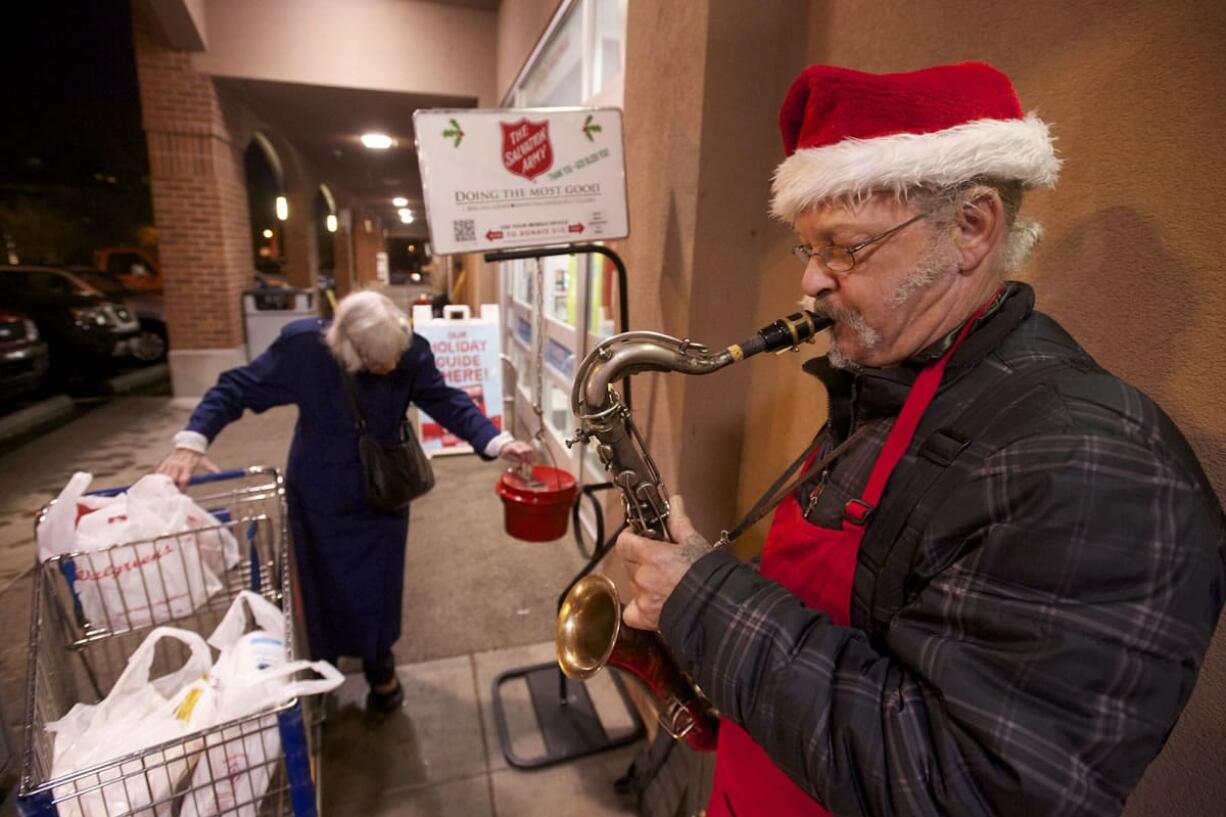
pixel 828 310
pixel 853 318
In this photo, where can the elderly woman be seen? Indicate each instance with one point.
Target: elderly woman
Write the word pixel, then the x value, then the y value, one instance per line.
pixel 350 558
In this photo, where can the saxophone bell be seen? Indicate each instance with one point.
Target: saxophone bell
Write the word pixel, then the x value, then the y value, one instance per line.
pixel 590 635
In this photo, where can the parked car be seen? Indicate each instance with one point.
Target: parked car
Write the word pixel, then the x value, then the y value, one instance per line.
pixel 24 357
pixel 135 268
pixel 82 326
pixel 147 305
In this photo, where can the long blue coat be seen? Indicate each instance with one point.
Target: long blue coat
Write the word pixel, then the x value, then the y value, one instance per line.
pixel 350 558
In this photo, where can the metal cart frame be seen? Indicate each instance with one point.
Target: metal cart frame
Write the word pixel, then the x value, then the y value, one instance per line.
pixel 6 754
pixel 73 659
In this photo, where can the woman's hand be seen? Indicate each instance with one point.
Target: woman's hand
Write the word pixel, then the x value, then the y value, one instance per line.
pixel 656 568
pixel 518 452
pixel 182 463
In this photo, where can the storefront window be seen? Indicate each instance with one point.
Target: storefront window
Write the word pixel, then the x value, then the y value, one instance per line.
pixel 580 62
pixel 557 411
pixel 562 282
pixel 523 373
pixel 557 77
pixel 608 40
pixel 601 290
pixel 523 330
pixel 523 278
pixel 561 358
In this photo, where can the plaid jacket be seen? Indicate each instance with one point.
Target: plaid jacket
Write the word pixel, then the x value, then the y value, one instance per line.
pixel 1055 608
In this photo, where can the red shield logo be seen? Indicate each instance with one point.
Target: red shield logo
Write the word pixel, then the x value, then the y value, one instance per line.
pixel 526 149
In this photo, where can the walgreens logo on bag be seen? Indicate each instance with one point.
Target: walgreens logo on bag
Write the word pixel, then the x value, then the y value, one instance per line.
pixel 84 574
pixel 119 547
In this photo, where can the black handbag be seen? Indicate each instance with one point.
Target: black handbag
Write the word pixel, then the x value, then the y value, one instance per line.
pixel 393 475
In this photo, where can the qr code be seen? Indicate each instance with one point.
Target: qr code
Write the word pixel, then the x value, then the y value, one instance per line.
pixel 465 230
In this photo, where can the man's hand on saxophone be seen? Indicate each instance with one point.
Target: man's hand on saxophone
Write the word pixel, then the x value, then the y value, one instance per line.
pixel 656 567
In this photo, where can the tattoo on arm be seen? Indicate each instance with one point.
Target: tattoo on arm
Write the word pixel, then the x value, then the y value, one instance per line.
pixel 693 548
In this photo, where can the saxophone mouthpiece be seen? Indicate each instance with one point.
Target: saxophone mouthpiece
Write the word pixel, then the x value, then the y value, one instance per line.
pixel 785 333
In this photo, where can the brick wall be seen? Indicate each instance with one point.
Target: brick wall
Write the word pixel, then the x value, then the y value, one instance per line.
pixel 301 252
pixel 199 196
pixel 366 245
pixel 342 261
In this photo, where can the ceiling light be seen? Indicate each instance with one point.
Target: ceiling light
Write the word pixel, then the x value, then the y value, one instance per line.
pixel 400 201
pixel 406 215
pixel 268 233
pixel 282 208
pixel 377 141
pixel 330 222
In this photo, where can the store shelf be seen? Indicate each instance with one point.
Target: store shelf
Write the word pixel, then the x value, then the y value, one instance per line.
pixel 560 378
pixel 563 329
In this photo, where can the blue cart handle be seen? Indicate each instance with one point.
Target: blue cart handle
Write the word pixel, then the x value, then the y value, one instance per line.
pixel 220 476
pixel 199 479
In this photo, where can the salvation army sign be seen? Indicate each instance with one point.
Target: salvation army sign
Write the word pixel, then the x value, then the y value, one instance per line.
pixel 496 179
pixel 526 150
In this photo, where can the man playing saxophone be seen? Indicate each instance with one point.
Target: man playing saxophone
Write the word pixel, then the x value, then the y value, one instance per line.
pixel 994 592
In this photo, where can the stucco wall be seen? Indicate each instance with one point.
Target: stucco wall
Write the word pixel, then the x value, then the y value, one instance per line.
pixel 1131 264
pixel 390 45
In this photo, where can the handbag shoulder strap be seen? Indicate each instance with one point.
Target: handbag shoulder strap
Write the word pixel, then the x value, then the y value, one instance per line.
pixel 351 394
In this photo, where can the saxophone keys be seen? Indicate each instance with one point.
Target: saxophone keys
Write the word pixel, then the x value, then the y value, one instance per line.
pixel 676 719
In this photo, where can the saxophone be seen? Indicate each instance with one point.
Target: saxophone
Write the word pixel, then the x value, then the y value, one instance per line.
pixel 590 633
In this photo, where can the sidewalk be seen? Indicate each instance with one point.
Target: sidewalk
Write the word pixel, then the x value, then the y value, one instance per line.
pixel 476 603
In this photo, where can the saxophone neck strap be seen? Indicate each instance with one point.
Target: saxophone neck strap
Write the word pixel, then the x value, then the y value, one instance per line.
pixel 775 494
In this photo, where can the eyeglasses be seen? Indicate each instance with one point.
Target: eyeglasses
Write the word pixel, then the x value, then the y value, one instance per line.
pixel 840 259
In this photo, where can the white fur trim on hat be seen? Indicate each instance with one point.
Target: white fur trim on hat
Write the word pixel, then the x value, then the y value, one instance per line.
pixel 1017 149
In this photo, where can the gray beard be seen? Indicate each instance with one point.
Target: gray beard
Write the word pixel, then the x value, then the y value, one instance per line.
pixel 869 337
pixel 936 263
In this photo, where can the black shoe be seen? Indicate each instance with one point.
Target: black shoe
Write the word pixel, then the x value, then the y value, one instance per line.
pixel 384 703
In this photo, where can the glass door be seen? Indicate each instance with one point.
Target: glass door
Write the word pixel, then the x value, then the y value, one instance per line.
pixel 580 61
pixel 546 346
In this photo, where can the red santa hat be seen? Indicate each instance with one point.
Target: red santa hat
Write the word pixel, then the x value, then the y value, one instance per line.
pixel 849 133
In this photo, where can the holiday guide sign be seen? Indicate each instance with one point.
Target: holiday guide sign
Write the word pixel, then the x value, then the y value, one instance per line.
pixel 497 179
pixel 467 353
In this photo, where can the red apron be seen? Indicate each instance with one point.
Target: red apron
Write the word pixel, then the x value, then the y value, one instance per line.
pixel 819 566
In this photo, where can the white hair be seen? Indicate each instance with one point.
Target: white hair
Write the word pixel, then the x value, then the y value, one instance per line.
pixel 368 326
pixel 1021 235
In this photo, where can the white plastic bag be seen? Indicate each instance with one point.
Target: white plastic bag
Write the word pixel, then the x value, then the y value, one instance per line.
pixel 165 508
pixel 57 533
pixel 137 714
pixel 250 675
pixel 174 568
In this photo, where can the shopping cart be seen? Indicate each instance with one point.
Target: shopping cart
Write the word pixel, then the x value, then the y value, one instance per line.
pixel 72 659
pixel 6 755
